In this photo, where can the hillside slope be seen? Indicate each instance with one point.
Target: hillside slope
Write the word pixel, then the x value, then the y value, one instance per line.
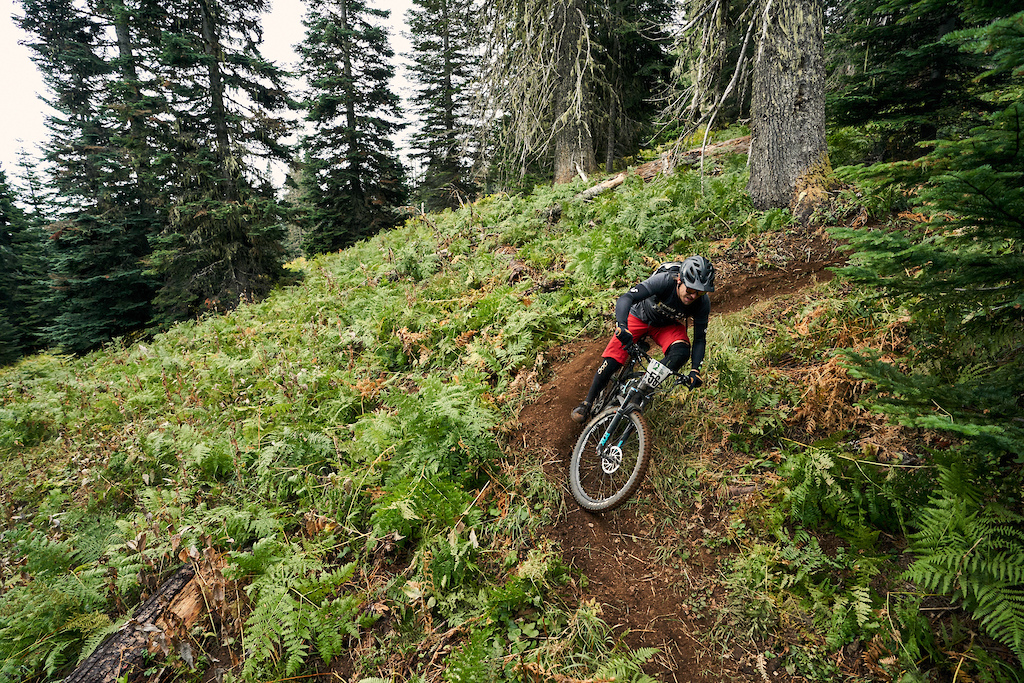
pixel 367 468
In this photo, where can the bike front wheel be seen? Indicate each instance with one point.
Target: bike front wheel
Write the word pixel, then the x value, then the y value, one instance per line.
pixel 602 478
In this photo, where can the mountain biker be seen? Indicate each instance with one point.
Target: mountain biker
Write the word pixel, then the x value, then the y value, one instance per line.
pixel 659 307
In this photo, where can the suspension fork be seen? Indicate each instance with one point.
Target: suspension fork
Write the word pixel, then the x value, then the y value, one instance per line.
pixel 627 407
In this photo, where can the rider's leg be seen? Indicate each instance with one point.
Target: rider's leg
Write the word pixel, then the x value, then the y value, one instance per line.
pixel 677 354
pixel 614 357
pixel 674 341
pixel 581 413
pixel 604 373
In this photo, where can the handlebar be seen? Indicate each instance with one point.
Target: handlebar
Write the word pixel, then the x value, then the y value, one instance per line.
pixel 639 351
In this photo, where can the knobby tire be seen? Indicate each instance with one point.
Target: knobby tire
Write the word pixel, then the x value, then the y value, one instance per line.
pixel 599 484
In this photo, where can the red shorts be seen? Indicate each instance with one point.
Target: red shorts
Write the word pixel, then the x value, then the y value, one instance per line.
pixel 664 336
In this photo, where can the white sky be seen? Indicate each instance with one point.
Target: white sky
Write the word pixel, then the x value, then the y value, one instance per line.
pixel 22 112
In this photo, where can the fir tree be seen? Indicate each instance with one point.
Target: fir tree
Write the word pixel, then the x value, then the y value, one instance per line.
pixel 12 333
pixel 352 179
pixel 33 194
pixel 960 274
pixel 961 277
pixel 98 245
pixel 24 273
pixel 891 67
pixel 443 66
pixel 222 240
pixel 774 50
pixel 562 79
pixel 33 249
pixel 639 66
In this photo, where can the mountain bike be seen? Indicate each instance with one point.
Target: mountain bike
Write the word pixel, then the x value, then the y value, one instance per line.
pixel 611 456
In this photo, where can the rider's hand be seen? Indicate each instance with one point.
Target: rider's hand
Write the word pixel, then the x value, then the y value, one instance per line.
pixel 624 336
pixel 693 380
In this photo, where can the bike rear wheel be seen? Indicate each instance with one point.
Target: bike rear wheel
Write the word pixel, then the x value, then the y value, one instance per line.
pixel 603 478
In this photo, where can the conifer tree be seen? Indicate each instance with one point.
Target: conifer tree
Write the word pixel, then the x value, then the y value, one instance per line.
pixel 773 52
pixel 222 240
pixel 352 179
pixel 789 162
pixel 891 66
pixel 99 242
pixel 960 274
pixel 636 43
pixel 24 277
pixel 557 73
pixel 541 73
pixel 443 66
pixel 33 249
pixel 13 335
pixel 32 192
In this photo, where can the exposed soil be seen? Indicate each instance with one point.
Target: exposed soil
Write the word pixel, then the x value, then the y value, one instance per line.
pixel 650 597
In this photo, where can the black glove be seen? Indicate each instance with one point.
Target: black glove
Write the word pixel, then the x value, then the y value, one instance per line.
pixel 693 380
pixel 624 336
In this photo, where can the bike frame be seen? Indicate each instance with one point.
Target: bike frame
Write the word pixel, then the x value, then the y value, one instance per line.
pixel 639 392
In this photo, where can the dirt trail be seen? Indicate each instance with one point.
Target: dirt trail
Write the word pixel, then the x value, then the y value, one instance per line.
pixel 648 601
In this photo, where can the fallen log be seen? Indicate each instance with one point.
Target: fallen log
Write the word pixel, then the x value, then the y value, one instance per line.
pixel 156 626
pixel 124 652
pixel 592 192
pixel 553 213
pixel 662 165
pixel 691 157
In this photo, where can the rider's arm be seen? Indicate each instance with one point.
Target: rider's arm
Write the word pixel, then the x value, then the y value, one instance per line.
pixel 700 329
pixel 637 292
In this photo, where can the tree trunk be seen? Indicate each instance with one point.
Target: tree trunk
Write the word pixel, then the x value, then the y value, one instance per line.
pixel 574 143
pixel 609 149
pixel 613 108
pixel 162 624
pixel 218 110
pixel 139 145
pixel 352 125
pixel 122 656
pixel 789 161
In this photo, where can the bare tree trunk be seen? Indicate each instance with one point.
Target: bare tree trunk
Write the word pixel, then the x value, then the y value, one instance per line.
pixel 219 116
pixel 574 142
pixel 789 161
pixel 613 113
pixel 350 106
pixel 609 149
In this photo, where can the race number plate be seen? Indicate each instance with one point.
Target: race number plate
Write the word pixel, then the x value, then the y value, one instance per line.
pixel 656 374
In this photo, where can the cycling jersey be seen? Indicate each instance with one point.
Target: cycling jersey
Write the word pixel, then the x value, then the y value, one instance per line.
pixel 656 302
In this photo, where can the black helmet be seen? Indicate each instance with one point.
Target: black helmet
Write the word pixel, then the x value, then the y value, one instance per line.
pixel 698 273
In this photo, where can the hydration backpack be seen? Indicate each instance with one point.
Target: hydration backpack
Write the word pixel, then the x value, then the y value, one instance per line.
pixel 668 266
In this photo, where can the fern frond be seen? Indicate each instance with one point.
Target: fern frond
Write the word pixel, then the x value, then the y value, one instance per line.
pixel 296 606
pixel 626 667
pixel 975 554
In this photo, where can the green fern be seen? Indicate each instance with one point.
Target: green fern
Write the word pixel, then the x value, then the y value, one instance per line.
pixel 296 605
pixel 973 550
pixel 627 667
pixel 45 624
pixel 474 662
pixel 826 485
